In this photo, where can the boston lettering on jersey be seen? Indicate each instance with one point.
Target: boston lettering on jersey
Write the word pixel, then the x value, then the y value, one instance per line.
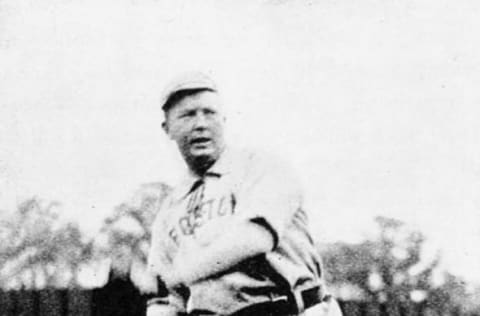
pixel 199 212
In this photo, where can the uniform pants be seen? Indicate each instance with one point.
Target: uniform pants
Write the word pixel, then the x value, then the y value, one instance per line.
pixel 329 307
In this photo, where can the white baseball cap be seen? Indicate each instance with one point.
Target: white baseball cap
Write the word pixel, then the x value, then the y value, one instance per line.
pixel 187 81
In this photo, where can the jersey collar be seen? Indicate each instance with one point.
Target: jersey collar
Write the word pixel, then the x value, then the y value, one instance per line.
pixel 218 169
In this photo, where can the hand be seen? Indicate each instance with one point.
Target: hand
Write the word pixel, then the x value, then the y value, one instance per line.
pixel 161 310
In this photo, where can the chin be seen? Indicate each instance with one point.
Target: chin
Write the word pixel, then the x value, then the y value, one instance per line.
pixel 203 155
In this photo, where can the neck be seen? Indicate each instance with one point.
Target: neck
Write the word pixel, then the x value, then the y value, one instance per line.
pixel 200 165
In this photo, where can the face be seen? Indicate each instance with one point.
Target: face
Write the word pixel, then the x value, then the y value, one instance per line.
pixel 196 124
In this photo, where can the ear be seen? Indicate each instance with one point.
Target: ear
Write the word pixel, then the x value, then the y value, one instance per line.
pixel 165 127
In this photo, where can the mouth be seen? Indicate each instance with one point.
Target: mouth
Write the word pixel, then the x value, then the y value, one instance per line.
pixel 200 141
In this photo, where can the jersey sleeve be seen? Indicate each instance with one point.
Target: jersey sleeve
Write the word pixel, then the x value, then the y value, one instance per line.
pixel 157 262
pixel 269 196
pixel 165 302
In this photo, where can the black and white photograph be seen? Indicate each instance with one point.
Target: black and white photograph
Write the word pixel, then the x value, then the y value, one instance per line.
pixel 239 158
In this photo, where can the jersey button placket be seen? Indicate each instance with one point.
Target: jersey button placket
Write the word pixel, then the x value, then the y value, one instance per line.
pixel 194 208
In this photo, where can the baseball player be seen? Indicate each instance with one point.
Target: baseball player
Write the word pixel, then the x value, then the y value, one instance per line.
pixel 232 238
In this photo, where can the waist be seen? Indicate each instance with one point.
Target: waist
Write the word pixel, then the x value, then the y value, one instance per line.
pixel 255 281
pixel 291 303
pixel 227 294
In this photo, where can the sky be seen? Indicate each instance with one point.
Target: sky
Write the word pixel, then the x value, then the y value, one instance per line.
pixel 375 103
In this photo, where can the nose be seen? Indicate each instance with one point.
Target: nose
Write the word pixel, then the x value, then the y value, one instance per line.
pixel 200 121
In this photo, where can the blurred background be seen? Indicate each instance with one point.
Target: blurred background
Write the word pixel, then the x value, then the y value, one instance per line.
pixel 375 103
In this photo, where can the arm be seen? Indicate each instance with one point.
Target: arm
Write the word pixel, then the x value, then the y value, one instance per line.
pixel 266 203
pixel 237 243
pixel 155 308
pixel 165 302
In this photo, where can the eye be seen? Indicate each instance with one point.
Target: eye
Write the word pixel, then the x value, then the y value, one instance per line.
pixel 209 112
pixel 187 114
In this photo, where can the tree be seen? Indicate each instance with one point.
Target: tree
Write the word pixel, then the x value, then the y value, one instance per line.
pixel 389 268
pixel 128 231
pixel 41 251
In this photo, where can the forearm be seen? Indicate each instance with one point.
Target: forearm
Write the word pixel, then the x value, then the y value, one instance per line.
pixel 240 242
pixel 170 305
pixel 161 310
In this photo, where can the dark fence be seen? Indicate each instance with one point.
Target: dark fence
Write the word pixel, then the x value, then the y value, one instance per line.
pixel 120 300
pixel 119 297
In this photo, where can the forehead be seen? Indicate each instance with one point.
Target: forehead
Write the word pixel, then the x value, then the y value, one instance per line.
pixel 201 99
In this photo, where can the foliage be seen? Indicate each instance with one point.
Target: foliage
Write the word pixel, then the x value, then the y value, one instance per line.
pixel 44 251
pixel 128 230
pixel 41 250
pixel 390 269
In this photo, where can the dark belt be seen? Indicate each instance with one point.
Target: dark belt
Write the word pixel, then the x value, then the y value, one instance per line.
pixel 285 304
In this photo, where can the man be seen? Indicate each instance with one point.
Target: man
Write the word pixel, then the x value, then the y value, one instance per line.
pixel 232 238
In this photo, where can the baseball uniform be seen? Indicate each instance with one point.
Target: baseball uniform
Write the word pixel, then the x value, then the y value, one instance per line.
pixel 241 188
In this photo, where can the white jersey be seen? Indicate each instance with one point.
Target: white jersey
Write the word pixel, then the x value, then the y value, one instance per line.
pixel 240 187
